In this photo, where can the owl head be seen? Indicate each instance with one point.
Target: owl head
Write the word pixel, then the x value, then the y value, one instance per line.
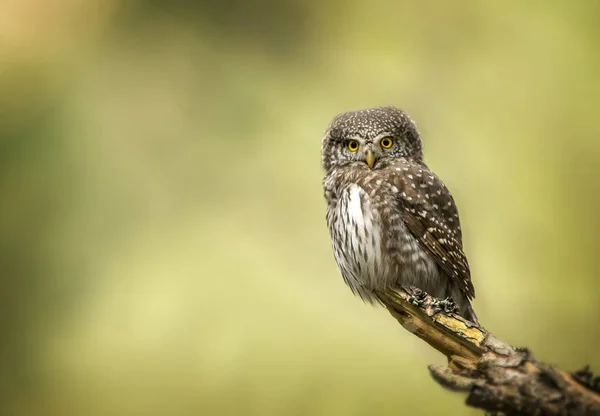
pixel 370 138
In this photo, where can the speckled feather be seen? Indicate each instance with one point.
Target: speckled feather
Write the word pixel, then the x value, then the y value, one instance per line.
pixel 395 224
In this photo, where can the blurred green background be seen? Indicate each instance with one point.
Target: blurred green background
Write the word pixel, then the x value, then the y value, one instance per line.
pixel 163 248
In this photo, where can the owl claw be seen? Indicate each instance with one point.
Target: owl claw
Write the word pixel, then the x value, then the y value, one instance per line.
pixel 445 305
pixel 417 296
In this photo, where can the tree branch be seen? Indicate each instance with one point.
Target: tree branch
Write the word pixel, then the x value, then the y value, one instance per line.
pixel 498 377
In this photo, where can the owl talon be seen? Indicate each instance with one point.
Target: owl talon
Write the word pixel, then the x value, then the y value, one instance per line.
pixel 445 305
pixel 417 296
pixel 415 302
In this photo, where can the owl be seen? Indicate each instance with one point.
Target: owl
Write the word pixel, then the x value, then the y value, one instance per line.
pixel 393 223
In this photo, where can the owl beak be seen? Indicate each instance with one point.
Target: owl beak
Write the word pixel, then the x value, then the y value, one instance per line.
pixel 370 158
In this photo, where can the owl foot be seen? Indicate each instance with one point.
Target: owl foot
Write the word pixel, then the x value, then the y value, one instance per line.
pixel 421 299
pixel 417 296
pixel 445 305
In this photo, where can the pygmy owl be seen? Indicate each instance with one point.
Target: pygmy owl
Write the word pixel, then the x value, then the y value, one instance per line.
pixel 392 221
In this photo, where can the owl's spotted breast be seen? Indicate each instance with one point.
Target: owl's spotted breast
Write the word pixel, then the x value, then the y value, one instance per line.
pixel 372 246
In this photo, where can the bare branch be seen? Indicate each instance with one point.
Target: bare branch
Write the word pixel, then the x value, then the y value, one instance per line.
pixel 496 376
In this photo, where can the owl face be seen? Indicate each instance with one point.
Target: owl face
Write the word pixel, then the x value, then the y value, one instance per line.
pixel 368 138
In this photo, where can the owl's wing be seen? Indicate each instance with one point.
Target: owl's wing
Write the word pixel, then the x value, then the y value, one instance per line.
pixel 431 216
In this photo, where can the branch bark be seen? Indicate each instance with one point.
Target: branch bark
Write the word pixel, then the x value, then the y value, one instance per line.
pixel 496 376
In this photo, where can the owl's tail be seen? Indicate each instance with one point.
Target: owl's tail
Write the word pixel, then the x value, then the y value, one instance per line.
pixel 469 313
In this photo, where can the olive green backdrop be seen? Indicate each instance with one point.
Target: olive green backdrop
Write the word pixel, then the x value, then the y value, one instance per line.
pixel 163 248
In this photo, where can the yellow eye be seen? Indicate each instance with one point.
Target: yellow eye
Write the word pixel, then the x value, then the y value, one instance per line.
pixel 353 145
pixel 386 142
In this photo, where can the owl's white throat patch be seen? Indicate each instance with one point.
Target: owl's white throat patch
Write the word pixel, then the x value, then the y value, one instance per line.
pixel 355 205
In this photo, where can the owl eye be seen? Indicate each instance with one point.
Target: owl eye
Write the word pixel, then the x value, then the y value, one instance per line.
pixel 352 145
pixel 386 142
